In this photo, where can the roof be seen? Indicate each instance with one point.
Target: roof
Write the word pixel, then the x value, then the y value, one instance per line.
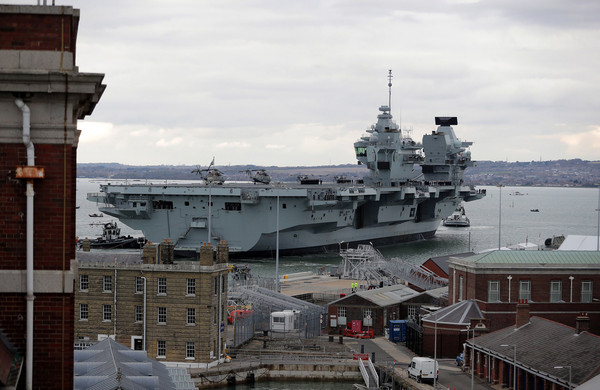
pixel 542 345
pixel 385 296
pixel 497 257
pixel 97 368
pixel 579 243
pixel 442 261
pixel 458 314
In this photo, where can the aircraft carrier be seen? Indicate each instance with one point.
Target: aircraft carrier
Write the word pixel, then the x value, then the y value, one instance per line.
pixel 409 189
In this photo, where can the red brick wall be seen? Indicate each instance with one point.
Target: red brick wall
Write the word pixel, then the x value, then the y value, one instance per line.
pixel 38 32
pixel 54 247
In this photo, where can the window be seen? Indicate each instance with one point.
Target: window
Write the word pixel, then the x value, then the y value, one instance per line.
pixel 191 316
pixel 83 311
pixel 190 350
pixel 525 289
pixel 162 286
pixel 493 290
pixel 460 288
pixel 555 291
pixel 367 312
pixel 106 312
pixel 107 283
pixel 139 285
pixel 162 315
pixel 191 287
pixel 412 312
pixel 342 311
pixel 586 291
pixel 161 349
pixel 83 282
pixel 139 313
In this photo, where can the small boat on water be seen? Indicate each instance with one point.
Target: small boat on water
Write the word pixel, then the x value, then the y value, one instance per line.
pixel 111 238
pixel 96 215
pixel 535 210
pixel 457 219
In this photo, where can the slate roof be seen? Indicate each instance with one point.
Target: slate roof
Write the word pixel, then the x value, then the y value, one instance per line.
pixel 575 258
pixel 442 261
pixel 458 314
pixel 542 345
pixel 385 296
pixel 96 368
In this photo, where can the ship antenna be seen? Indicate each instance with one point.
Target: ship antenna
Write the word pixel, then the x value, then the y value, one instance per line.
pixel 390 90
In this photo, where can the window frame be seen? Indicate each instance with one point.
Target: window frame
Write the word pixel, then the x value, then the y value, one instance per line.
pixel 587 293
pixel 161 346
pixel 107 283
pixel 139 285
pixel 84 308
pixel 138 314
pixel 161 314
pixel 525 293
pixel 106 313
pixel 554 294
pixel 191 287
pixel 190 350
pixel 161 286
pixel 191 315
pixel 82 282
pixel 493 293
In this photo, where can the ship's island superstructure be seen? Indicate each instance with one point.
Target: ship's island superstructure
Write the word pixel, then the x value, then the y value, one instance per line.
pixel 393 203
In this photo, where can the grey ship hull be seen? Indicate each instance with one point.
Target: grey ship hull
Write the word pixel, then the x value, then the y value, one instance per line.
pixel 312 218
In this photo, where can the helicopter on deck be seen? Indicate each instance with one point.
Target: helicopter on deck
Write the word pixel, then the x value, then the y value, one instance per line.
pixel 258 176
pixel 210 175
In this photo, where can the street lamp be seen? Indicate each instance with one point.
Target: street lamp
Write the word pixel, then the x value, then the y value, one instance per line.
pixel 569 367
pixel 472 354
pixel 514 363
pixel 435 351
pixel 500 216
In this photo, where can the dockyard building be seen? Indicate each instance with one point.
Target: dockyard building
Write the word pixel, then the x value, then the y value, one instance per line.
pixel 557 285
pixel 175 312
pixel 43 95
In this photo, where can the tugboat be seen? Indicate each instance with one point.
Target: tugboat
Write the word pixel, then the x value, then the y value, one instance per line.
pixel 111 239
pixel 458 219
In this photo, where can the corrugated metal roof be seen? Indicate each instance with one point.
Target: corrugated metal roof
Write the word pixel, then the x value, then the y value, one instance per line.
pixel 536 257
pixel 543 344
pixel 96 368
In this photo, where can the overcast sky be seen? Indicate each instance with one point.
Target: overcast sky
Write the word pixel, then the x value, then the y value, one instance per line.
pixel 296 82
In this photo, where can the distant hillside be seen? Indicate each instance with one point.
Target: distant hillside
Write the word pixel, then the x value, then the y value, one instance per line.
pixel 576 173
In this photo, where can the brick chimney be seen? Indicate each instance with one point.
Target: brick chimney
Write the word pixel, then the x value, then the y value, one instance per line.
pixel 522 313
pixel 582 323
pixel 206 254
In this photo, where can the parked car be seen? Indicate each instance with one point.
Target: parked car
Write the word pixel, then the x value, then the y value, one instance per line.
pixel 460 359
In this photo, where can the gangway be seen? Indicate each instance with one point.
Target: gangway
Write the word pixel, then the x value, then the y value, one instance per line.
pixel 369 374
pixel 368 264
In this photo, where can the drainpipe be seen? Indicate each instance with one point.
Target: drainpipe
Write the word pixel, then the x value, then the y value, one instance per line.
pixel 30 194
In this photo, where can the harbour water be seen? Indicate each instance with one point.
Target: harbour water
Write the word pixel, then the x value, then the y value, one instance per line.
pixel 495 221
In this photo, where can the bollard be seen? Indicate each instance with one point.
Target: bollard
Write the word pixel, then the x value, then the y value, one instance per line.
pixel 373 357
pixel 330 339
pixel 341 340
pixel 362 348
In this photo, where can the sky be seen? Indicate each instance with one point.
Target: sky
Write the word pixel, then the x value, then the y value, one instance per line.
pixel 297 82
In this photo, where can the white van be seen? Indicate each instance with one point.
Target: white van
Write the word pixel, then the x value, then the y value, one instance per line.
pixel 422 368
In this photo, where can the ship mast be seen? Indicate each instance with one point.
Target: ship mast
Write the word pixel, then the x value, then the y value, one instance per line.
pixel 390 90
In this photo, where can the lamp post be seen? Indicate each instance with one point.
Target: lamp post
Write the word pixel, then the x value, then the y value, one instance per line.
pixel 435 351
pixel 569 367
pixel 514 363
pixel 277 248
pixel 500 216
pixel 598 210
pixel 472 354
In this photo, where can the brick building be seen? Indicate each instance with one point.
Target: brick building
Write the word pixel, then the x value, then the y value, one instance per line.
pixel 558 285
pixel 176 306
pixel 42 96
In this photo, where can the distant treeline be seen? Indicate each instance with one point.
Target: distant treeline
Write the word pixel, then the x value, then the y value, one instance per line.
pixel 575 173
